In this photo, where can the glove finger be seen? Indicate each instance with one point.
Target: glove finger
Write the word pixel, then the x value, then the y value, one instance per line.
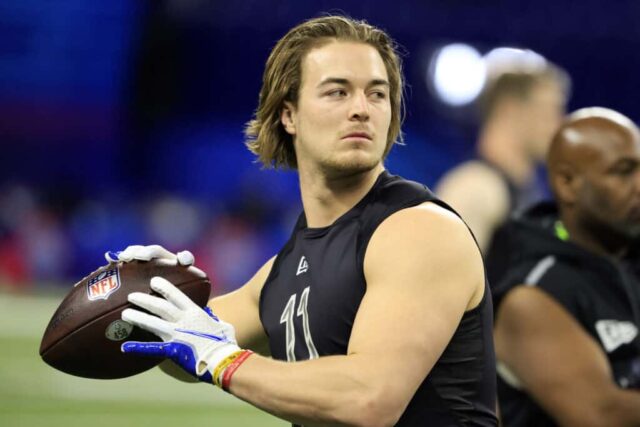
pixel 158 306
pixel 185 258
pixel 171 293
pixel 147 253
pixel 157 251
pixel 131 252
pixel 148 322
pixel 154 349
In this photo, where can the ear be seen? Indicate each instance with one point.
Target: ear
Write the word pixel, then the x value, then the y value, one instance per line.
pixel 287 118
pixel 566 183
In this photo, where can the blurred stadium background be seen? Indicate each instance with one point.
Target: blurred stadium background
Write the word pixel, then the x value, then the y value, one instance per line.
pixel 121 122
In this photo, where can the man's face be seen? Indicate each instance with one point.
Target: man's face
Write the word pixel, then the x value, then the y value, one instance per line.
pixel 542 113
pixel 610 190
pixel 342 117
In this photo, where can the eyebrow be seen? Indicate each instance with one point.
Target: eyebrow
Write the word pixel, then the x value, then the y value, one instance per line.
pixel 343 81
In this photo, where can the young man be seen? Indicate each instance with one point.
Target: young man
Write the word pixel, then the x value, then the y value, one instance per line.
pixel 521 107
pixel 568 311
pixel 376 311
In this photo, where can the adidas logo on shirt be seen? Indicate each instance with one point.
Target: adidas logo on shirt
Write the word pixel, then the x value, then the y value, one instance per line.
pixel 614 333
pixel 303 266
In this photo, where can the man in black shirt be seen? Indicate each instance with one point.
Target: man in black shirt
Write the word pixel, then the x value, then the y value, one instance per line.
pixel 568 310
pixel 521 106
pixel 376 310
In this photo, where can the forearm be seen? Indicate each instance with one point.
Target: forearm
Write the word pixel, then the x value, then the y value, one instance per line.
pixel 337 390
pixel 621 408
pixel 610 406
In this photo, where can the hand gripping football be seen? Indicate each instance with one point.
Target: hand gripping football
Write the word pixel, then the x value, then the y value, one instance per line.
pixel 85 333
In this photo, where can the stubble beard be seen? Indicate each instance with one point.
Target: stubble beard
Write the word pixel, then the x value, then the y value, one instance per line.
pixel 611 234
pixel 335 168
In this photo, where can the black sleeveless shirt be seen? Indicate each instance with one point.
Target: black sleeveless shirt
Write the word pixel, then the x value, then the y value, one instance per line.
pixel 312 294
pixel 499 245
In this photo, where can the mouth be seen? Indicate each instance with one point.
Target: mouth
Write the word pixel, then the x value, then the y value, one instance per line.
pixel 358 135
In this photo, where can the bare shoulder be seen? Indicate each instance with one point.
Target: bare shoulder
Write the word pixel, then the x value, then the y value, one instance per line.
pixel 524 301
pixel 520 314
pixel 472 174
pixel 473 187
pixel 479 194
pixel 427 225
pixel 427 244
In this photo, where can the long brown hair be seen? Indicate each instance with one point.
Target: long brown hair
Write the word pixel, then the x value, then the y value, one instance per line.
pixel 266 137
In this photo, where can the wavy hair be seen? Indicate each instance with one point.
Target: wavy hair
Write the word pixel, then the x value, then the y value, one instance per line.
pixel 265 134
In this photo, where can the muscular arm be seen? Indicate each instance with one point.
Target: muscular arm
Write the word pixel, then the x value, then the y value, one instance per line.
pixel 241 309
pixel 480 197
pixel 559 364
pixel 416 295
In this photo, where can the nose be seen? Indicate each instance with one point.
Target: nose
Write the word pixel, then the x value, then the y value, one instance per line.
pixel 359 108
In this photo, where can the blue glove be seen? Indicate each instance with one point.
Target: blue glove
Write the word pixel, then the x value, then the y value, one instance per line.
pixel 194 338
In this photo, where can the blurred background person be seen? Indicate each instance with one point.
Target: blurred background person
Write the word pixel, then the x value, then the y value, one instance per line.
pixel 568 311
pixel 521 105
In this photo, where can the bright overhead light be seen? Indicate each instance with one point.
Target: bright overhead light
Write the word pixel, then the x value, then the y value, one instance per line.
pixel 457 74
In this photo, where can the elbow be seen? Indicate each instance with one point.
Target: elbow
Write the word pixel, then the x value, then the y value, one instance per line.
pixel 376 409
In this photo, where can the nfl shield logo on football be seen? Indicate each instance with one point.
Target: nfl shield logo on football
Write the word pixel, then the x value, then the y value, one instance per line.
pixel 103 285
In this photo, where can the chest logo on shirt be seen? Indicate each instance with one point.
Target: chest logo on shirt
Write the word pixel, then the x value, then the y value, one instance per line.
pixel 614 333
pixel 303 266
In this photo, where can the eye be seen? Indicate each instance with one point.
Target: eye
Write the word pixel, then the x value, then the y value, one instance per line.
pixel 378 94
pixel 626 171
pixel 625 168
pixel 337 93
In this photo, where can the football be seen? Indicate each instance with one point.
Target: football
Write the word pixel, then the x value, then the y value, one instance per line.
pixel 84 335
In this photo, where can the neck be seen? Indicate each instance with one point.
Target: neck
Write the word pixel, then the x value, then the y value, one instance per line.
pixel 501 145
pixel 326 199
pixel 596 237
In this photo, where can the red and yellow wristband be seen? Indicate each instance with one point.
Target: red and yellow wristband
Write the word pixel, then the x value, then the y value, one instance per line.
pixel 224 371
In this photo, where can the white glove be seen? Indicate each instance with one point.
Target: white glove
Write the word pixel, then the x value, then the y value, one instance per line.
pixel 194 338
pixel 147 253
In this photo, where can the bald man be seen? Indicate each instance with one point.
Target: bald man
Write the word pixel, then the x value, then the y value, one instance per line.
pixel 568 310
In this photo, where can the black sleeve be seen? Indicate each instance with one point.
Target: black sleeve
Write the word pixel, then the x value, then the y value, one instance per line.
pixel 558 281
pixel 563 285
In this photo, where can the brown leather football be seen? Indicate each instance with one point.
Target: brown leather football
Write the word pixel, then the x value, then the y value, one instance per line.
pixel 84 335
